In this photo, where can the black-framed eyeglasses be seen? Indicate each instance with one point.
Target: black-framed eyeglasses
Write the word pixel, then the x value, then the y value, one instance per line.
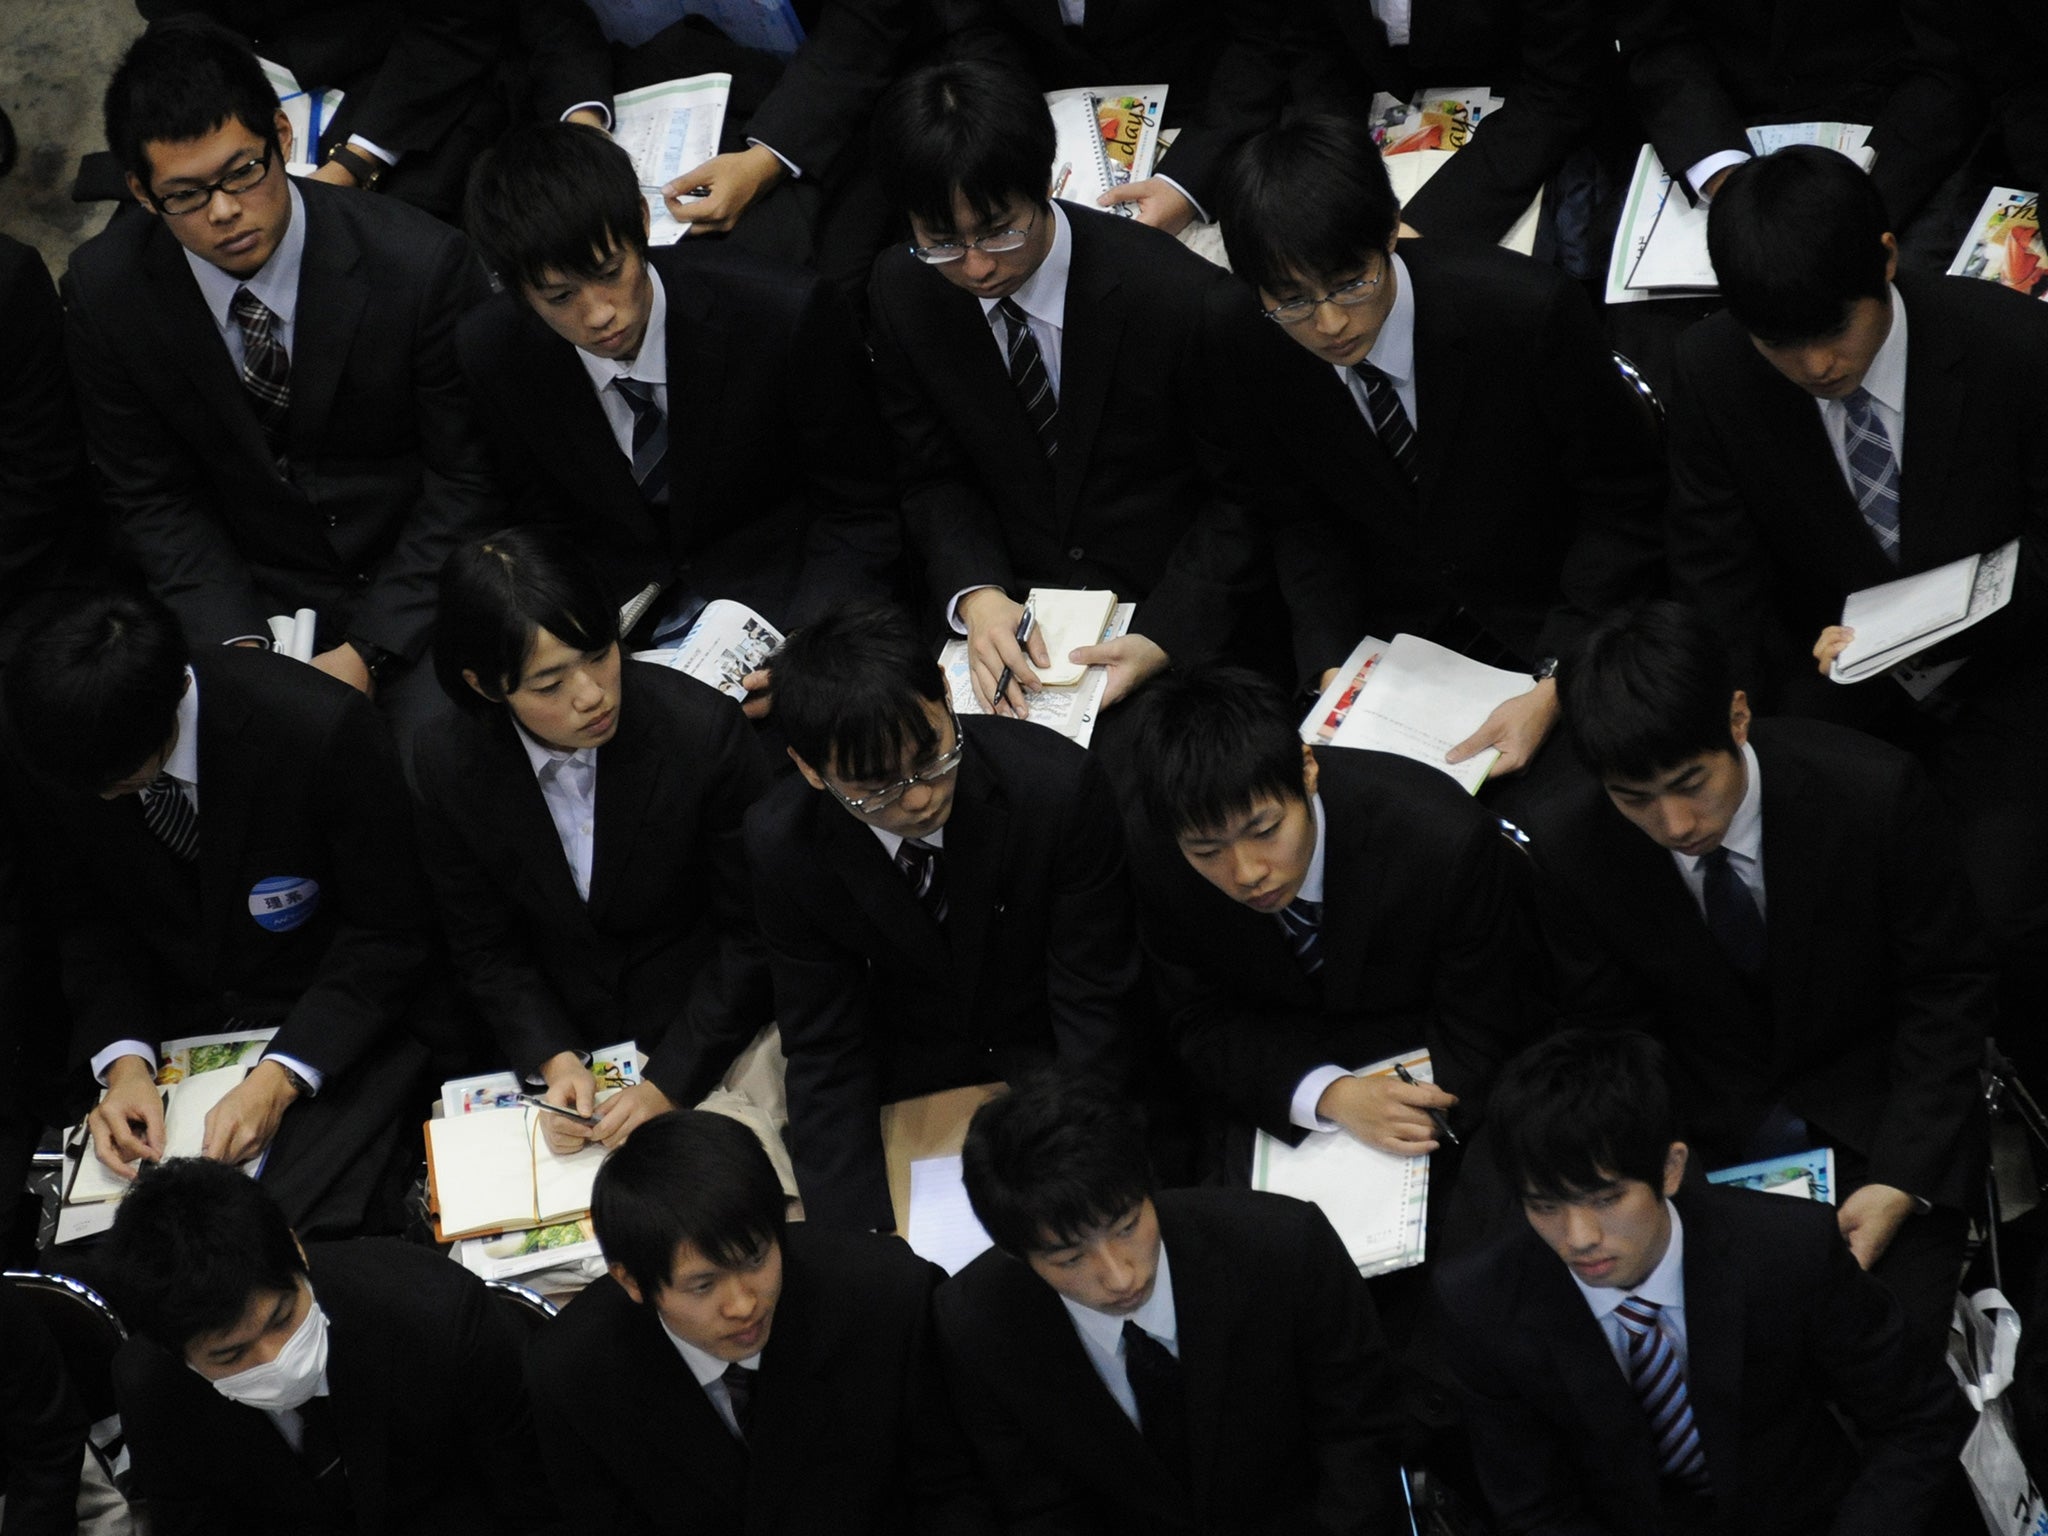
pixel 882 799
pixel 1344 296
pixel 245 177
pixel 998 243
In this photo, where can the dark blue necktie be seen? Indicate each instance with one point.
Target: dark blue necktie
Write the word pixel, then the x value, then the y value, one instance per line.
pixel 650 439
pixel 1302 921
pixel 1732 915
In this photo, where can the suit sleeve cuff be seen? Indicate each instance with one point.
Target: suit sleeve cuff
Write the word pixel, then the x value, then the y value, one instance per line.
pixel 600 108
pixel 795 171
pixel 1307 1093
pixel 953 607
pixel 1704 172
pixel 292 1064
pixel 388 156
pixel 105 1059
pixel 1200 212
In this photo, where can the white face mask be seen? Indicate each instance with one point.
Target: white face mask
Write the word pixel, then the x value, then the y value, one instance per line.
pixel 291 1379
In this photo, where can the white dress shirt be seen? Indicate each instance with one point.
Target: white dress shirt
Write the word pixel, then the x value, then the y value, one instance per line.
pixel 276 283
pixel 1394 15
pixel 1043 298
pixel 891 841
pixel 568 784
pixel 710 1373
pixel 1393 350
pixel 649 367
pixel 1665 1287
pixel 1102 1336
pixel 1744 841
pixel 1886 382
pixel 1704 171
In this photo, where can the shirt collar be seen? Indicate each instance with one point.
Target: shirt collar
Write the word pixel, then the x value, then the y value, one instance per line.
pixel 1886 380
pixel 707 1368
pixel 183 763
pixel 276 282
pixel 1156 1317
pixel 1745 835
pixel 544 758
pixel 891 841
pixel 650 364
pixel 1312 882
pixel 1665 1287
pixel 1393 350
pixel 1044 294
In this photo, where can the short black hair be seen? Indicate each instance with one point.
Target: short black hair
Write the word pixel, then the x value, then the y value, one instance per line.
pixel 193 1243
pixel 1308 200
pixel 93 692
pixel 554 197
pixel 498 593
pixel 179 81
pixel 850 691
pixel 1796 237
pixel 1650 689
pixel 1213 741
pixel 1581 1108
pixel 964 126
pixel 690 1176
pixel 1058 1154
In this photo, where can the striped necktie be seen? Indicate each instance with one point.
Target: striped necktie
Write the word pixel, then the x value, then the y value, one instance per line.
pixel 1390 423
pixel 1873 470
pixel 650 439
pixel 919 863
pixel 1659 1381
pixel 266 369
pixel 1302 922
pixel 167 813
pixel 1028 376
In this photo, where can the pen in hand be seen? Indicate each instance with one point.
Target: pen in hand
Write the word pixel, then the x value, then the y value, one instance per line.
pixel 535 1101
pixel 661 187
pixel 1436 1116
pixel 1022 636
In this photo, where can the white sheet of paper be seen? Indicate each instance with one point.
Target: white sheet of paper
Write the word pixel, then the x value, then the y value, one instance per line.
pixel 1898 613
pixel 1422 700
pixel 1990 583
pixel 943 1227
pixel 668 129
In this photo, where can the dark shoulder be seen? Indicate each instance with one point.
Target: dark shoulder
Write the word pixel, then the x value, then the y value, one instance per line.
pixel 601 1323
pixel 678 704
pixel 496 330
pixel 1990 310
pixel 1164 266
pixel 1250 1223
pixel 1768 1238
pixel 1399 799
pixel 1474 275
pixel 1020 753
pixel 284 698
pixel 396 237
pixel 780 820
pixel 104 266
pixel 1851 769
pixel 397 1285
pixel 24 280
pixel 987 1295
pixel 710 283
pixel 865 1270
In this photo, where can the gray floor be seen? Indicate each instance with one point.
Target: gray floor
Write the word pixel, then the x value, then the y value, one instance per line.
pixel 55 56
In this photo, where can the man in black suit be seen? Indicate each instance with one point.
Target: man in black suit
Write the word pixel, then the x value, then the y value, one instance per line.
pixel 226 840
pixel 736 1373
pixel 1038 369
pixel 943 900
pixel 267 373
pixel 1309 914
pixel 270 1386
pixel 1446 450
pixel 1194 1361
pixel 702 419
pixel 1779 902
pixel 1683 1367
pixel 579 918
pixel 1816 453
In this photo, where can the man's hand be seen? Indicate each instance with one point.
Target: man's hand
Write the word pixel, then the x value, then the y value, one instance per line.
pixel 1714 181
pixel 590 117
pixel 241 1125
pixel 1832 642
pixel 334 173
pixel 1871 1218
pixel 1130 658
pixel 760 686
pixel 346 663
pixel 1384 1112
pixel 127 1124
pixel 1406 231
pixel 736 182
pixel 1517 727
pixel 570 1085
pixel 991 620
pixel 1160 203
pixel 625 1112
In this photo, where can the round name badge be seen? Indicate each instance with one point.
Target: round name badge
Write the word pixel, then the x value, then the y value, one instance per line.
pixel 283 902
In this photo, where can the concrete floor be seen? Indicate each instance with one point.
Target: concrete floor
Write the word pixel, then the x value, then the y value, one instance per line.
pixel 55 57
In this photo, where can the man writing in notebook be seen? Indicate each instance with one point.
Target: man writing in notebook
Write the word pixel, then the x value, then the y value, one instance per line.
pixel 1836 429
pixel 1780 903
pixel 944 900
pixel 1650 1355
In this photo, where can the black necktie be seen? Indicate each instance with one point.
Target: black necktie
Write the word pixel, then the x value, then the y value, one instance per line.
pixel 1162 1402
pixel 320 1451
pixel 167 813
pixel 1027 374
pixel 1303 923
pixel 266 369
pixel 919 863
pixel 1732 917
pixel 650 439
pixel 739 1391
pixel 1390 423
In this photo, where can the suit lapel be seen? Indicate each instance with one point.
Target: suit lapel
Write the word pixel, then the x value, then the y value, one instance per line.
pixel 1714 1332
pixel 503 778
pixel 332 297
pixel 696 390
pixel 976 847
pixel 672 1425
pixel 879 892
pixel 186 331
pixel 229 789
pixel 1808 475
pixel 359 1386
pixel 1794 899
pixel 1447 354
pixel 1937 399
pixel 1211 1326
pixel 1584 1368
pixel 629 774
pixel 797 1396
pixel 561 397
pixel 967 355
pixel 1093 328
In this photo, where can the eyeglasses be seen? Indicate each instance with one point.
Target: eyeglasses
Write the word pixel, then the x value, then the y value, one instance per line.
pixel 245 177
pixel 882 799
pixel 1344 296
pixel 997 244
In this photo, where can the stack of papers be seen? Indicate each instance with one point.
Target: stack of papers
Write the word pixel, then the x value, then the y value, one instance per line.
pixel 1898 620
pixel 2004 243
pixel 1413 698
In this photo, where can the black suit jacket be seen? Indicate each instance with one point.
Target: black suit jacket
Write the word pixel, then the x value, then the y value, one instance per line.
pixel 781 493
pixel 1765 536
pixel 1281 1361
pixel 43 506
pixel 849 1429
pixel 1127 503
pixel 1779 1322
pixel 877 1002
pixel 1701 71
pixel 1428 937
pixel 665 952
pixel 423 1377
pixel 1878 989
pixel 42 1424
pixel 386 473
pixel 1540 476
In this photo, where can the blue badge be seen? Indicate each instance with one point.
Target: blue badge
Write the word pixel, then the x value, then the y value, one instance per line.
pixel 283 902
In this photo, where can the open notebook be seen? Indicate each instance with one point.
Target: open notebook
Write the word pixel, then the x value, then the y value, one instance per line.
pixel 493 1171
pixel 196 1073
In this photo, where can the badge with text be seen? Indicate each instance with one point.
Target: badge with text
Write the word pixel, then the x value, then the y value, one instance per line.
pixel 283 902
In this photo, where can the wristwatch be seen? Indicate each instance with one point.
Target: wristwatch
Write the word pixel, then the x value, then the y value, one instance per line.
pixel 1546 669
pixel 300 1086
pixel 368 170
pixel 380 662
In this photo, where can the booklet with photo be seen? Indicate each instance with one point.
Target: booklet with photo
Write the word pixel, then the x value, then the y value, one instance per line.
pixel 2004 243
pixel 196 1073
pixel 1107 136
pixel 1806 1175
pixel 728 641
